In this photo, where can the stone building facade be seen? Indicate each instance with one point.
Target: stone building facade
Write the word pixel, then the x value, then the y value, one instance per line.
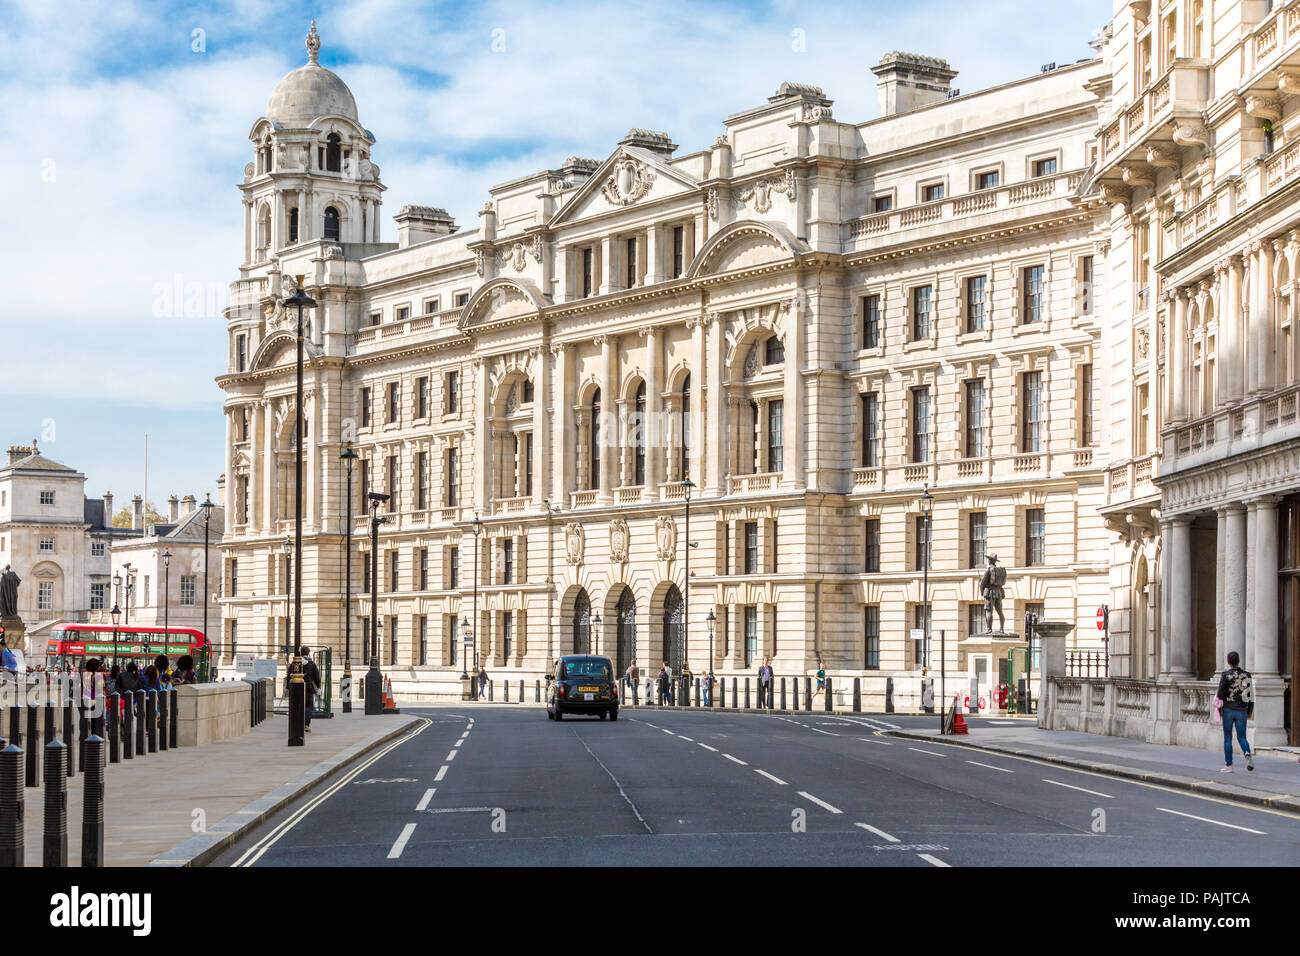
pixel 811 321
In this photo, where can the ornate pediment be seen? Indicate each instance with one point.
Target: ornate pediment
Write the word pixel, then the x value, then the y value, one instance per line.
pixel 502 300
pixel 632 174
pixel 744 245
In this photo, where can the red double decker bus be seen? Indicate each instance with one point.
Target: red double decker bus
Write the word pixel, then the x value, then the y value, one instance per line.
pixel 70 645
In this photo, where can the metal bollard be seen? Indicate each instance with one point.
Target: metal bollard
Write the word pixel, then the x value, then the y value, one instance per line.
pixel 114 728
pixel 889 695
pixel 162 719
pixel 151 720
pixel 506 685
pixel 807 693
pixel 140 726
pixel 747 693
pixel 92 804
pixel 16 725
pixel 11 807
pixel 521 690
pixel 829 705
pixel 697 692
pixel 32 746
pixel 794 682
pixel 857 695
pixel 128 724
pixel 69 723
pixel 491 686
pixel 783 693
pixel 83 731
pixel 173 741
pixel 51 731
pixel 722 693
pixel 537 692
pixel 54 843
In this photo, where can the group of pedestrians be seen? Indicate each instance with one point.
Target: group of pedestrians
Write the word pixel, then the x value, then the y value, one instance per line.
pixel 665 687
pixel 159 676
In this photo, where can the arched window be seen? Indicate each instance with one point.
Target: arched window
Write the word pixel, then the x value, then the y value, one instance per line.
pixel 263 232
pixel 331 223
pixel 595 440
pixel 685 466
pixel 638 432
pixel 673 632
pixel 582 624
pixel 293 224
pixel 333 153
pixel 773 351
pixel 626 645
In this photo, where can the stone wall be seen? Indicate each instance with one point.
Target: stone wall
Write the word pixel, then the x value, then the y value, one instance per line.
pixel 208 713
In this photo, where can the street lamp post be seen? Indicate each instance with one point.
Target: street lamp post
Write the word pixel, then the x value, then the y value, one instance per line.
pixel 207 507
pixel 711 620
pixel 464 654
pixel 348 456
pixel 374 680
pixel 595 625
pixel 116 615
pixel 1031 621
pixel 129 589
pixel 301 300
pixel 288 592
pixel 927 508
pixel 477 526
pixel 687 485
pixel 167 595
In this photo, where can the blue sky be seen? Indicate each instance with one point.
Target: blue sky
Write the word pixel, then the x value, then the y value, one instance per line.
pixel 125 128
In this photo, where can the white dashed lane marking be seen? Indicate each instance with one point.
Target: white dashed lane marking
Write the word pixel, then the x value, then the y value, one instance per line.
pixel 424 800
pixel 1217 823
pixel 770 776
pixel 707 747
pixel 400 845
pixel 989 766
pixel 736 760
pixel 821 803
pixel 880 833
pixel 1070 786
pixel 451 755
pixel 930 752
pixel 935 860
pixel 442 772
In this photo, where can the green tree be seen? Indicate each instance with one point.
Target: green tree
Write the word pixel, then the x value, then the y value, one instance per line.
pixel 151 516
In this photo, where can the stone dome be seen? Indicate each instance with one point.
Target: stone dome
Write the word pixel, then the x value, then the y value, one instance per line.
pixel 309 92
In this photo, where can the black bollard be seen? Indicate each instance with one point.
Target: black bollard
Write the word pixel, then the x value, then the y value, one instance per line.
pixel 537 692
pixel 128 725
pixel 92 804
pixel 151 720
pixel 506 691
pixel 747 693
pixel 807 693
pixel 162 719
pixel 32 746
pixel 140 727
pixel 857 695
pixel 783 693
pixel 54 843
pixel 69 723
pixel 11 806
pixel 722 692
pixel 735 693
pixel 83 731
pixel 173 704
pixel 114 728
pixel 889 695
pixel 345 687
pixel 297 705
pixel 697 692
pixel 51 729
pixel 16 724
pixel 521 690
pixel 829 705
pixel 491 687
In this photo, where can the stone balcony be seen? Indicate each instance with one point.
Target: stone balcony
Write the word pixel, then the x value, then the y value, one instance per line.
pixel 1131 480
pixel 1257 422
pixel 372 335
pixel 1148 123
pixel 967 471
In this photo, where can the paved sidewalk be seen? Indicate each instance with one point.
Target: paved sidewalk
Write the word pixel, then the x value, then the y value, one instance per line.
pixel 155 802
pixel 1275 781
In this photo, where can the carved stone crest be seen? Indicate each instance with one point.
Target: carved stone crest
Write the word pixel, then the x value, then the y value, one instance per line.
pixel 574 542
pixel 666 537
pixel 761 193
pixel 629 181
pixel 711 202
pixel 618 540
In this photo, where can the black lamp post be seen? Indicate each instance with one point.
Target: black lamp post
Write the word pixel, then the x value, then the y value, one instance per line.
pixel 927 507
pixel 687 485
pixel 1031 621
pixel 374 680
pixel 116 615
pixel 348 456
pixel 477 526
pixel 130 588
pixel 207 507
pixel 301 300
pixel 287 548
pixel 464 656
pixel 167 596
pixel 595 624
pixel 711 620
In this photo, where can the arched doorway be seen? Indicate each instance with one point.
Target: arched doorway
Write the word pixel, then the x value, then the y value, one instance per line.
pixel 582 624
pixel 625 616
pixel 673 628
pixel 1138 646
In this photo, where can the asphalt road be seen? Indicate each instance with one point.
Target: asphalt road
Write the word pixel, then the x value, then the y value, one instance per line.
pixel 502 785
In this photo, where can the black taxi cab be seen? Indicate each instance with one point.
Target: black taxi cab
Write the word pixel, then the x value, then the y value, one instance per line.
pixel 582 684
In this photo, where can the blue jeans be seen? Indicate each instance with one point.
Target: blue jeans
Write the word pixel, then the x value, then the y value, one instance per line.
pixel 1233 718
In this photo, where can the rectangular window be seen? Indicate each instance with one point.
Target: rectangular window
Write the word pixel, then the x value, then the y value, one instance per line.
pixel 421 480
pixel 679 251
pixel 392 640
pixel 145 600
pixel 871 430
pixel 751 547
pixel 1085 402
pixel 921 424
pixel 424 569
pixel 871 636
pixel 507 634
pixel 870 321
pixel 508 561
pixel 975 303
pixel 376 318
pixel 422 397
pixel 922 537
pixel 451 392
pixel 775 431
pixel 391 464
pixel 187 590
pixel 453 636
pixel 631 262
pixel 97 596
pixel 1032 279
pixel 1044 167
pixel 1035 537
pixel 363 485
pixel 528 464
pixel 393 402
pixel 1031 412
pixel 921 297
pixel 234 578
pixel 403 313
pixel 47 545
pixel 430 306
pixel 392 570
pixel 922 617
pixel 751 634
pixel 872 563
pixel 975 620
pixel 1036 609
pixel 462 299
pixel 975 418
pixel 882 203
pixel 1085 285
pixel 424 640
pixel 47 497
pixel 97 549
pixel 1143 420
pixel 453 477
pixel 978 538
pixel 931 192
pixel 453 568
pixel 365 407
pixel 45 596
pixel 987 180
pixel 241 353
pixel 588 256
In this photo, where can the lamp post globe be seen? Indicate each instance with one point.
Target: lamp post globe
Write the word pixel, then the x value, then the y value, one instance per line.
pixel 116 615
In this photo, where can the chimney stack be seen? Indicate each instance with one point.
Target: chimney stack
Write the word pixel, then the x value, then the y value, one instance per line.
pixel 173 509
pixel 188 504
pixel 906 81
pixel 18 452
pixel 418 223
pixel 108 509
pixel 137 513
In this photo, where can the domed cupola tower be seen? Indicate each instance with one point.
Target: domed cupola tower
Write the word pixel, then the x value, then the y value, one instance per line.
pixel 311 178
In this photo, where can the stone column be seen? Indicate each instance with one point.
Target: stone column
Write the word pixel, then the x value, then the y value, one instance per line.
pixel 698 440
pixel 541 433
pixel 1178 378
pixel 1178 579
pixel 482 438
pixel 1230 364
pixel 226 499
pixel 1220 559
pixel 1265 587
pixel 793 444
pixel 250 241
pixel 562 451
pixel 608 278
pixel 1249 630
pixel 1233 607
pixel 269 468
pixel 606 431
pixel 654 404
pixel 1261 317
pixel 714 408
pixel 653 267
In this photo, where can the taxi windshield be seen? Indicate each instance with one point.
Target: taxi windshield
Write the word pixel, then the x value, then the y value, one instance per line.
pixel 596 670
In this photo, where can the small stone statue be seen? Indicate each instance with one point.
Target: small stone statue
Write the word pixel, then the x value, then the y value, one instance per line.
pixel 991 585
pixel 9 582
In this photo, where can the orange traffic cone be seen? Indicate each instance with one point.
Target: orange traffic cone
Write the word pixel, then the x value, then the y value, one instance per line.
pixel 959 724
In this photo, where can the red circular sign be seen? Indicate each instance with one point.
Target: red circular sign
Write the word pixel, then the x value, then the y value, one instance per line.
pixel 1101 619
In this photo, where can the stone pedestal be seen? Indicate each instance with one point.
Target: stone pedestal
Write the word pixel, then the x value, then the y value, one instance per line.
pixel 1052 634
pixel 1266 727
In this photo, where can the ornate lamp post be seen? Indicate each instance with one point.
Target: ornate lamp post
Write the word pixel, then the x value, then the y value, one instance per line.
pixel 927 507
pixel 167 595
pixel 595 624
pixel 207 507
pixel 464 656
pixel 687 485
pixel 288 592
pixel 349 456
pixel 477 526
pixel 374 680
pixel 301 300
pixel 711 620
pixel 129 579
pixel 116 615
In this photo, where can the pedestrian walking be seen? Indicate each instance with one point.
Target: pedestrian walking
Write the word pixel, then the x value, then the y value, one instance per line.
pixel 686 684
pixel 482 681
pixel 668 684
pixel 821 681
pixel 311 678
pixel 765 683
pixel 708 690
pixel 1236 696
pixel 129 682
pixel 661 685
pixel 633 679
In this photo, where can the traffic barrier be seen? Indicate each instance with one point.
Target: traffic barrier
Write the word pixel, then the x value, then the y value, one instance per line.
pixel 807 693
pixel 857 695
pixel 32 745
pixel 794 683
pixel 722 692
pixel 54 844
pixel 68 724
pixel 747 693
pixel 735 693
pixel 150 720
pixel 505 690
pixel 491 683
pixel 11 806
pixel 114 729
pixel 783 693
pixel 92 804
pixel 51 730
pixel 140 723
pixel 521 690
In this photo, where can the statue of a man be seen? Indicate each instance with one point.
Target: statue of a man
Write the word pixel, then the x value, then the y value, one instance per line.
pixel 9 582
pixel 995 577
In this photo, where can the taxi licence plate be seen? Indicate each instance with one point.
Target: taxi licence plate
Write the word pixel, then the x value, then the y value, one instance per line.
pixel 591 689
